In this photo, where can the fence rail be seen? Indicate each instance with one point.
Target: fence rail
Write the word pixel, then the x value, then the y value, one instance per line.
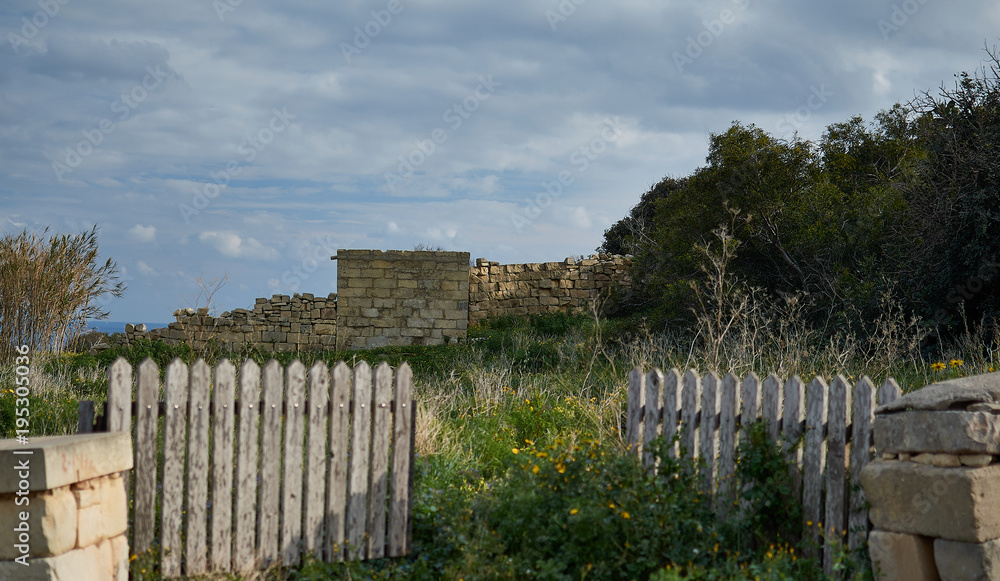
pixel 828 418
pixel 323 462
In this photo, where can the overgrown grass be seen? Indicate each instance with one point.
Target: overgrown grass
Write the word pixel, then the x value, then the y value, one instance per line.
pixel 521 471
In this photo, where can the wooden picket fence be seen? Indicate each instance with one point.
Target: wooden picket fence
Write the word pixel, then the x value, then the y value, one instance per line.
pixel 345 495
pixel 664 403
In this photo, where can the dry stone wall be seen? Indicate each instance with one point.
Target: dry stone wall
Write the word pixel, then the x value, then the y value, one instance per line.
pixel 401 297
pixel 544 287
pixel 397 297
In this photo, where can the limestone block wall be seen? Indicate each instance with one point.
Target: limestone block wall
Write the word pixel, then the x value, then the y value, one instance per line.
pixel 301 322
pixel 64 510
pixel 529 289
pixel 401 297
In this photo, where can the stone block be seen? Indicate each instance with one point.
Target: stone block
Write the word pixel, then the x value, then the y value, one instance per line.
pixel 57 461
pixel 957 561
pixel 942 460
pixel 52 523
pixel 93 563
pixel 959 504
pixel 950 431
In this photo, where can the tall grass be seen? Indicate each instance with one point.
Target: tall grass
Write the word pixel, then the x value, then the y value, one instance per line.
pixel 49 288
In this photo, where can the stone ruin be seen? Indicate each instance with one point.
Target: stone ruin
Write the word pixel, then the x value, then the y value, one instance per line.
pixel 935 488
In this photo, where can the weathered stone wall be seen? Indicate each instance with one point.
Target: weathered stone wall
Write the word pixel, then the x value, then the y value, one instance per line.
pixel 401 297
pixel 64 512
pixel 529 289
pixel 298 323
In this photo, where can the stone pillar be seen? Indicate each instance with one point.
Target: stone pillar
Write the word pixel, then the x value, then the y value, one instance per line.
pixel 935 489
pixel 63 508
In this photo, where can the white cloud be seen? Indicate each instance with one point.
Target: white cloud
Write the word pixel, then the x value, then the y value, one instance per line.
pixel 233 245
pixel 142 233
pixel 146 269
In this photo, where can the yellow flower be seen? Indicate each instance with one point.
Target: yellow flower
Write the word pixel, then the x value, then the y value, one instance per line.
pixel 574 510
pixel 514 450
pixel 611 505
pixel 937 366
pixel 956 362
pixel 534 469
pixel 625 514
pixel 560 468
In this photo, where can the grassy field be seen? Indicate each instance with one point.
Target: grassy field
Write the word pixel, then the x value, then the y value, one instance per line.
pixel 521 472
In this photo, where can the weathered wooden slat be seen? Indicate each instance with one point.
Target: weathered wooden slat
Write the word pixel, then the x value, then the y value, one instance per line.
pixel 145 453
pixel 197 469
pixel 690 396
pixel 85 417
pixel 173 468
pixel 402 447
pixel 706 433
pixel 120 396
pixel 357 512
pixel 770 405
pixel 791 430
pixel 749 403
pixel 671 381
pixel 652 414
pixel 836 441
pixel 315 495
pixel 270 467
pixel 633 422
pixel 244 542
pixel 728 411
pixel 291 500
pixel 222 466
pixel 337 478
pixel 861 437
pixel 812 457
pixel 889 392
pixel 379 485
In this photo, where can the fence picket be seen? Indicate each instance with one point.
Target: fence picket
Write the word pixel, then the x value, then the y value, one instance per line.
pixel 706 435
pixel 671 381
pixel 175 393
pixel 861 436
pixel 222 465
pixel 197 468
pixel 378 488
pixel 148 409
pixel 889 392
pixel 652 414
pixel 120 396
pixel 337 480
pixel 770 408
pixel 315 507
pixel 812 456
pixel 836 441
pixel 750 404
pixel 690 395
pixel 791 429
pixel 246 469
pixel 357 510
pixel 270 466
pixel 728 411
pixel 291 500
pixel 402 446
pixel 633 421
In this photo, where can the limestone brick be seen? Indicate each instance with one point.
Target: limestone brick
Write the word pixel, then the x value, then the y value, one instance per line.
pixel 957 561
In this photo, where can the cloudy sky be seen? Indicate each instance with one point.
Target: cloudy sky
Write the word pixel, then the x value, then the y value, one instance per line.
pixel 252 139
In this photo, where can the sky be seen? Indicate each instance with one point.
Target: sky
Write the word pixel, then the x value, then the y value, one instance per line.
pixel 244 142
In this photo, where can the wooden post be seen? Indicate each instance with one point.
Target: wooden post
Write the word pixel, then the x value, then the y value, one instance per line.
pixel 771 405
pixel 652 414
pixel 633 421
pixel 270 466
pixel 316 457
pixel 291 502
pixel 197 468
pixel 173 468
pixel 244 545
pixel 145 453
pixel 861 443
pixel 728 411
pixel 336 520
pixel 689 413
pixel 357 512
pixel 812 457
pixel 402 448
pixel 222 465
pixel 836 442
pixel 706 434
pixel 671 405
pixel 378 488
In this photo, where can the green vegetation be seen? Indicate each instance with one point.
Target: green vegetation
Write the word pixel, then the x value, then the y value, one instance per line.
pixel 521 471
pixel 903 210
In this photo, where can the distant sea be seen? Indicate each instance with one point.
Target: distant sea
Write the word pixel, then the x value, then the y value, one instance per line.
pixel 117 326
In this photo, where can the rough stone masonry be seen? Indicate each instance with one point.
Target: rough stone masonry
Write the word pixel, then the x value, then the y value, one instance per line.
pixel 935 490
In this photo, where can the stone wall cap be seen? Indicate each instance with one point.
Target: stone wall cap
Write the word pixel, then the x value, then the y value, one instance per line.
pixel 948 395
pixel 56 461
